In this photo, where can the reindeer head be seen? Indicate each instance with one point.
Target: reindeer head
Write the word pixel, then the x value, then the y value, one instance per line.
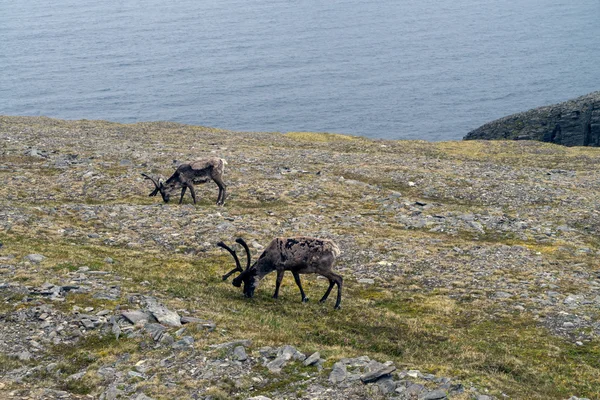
pixel 160 187
pixel 247 276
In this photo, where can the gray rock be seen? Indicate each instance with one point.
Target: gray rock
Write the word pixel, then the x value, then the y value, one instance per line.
pixel 141 396
pixel 572 123
pixel 415 389
pixel 200 322
pixel 162 313
pixel 24 356
pixel 186 341
pixel 378 373
pixel 435 395
pixel 76 377
pixel 239 353
pixel 288 352
pixel 135 316
pixel 312 359
pixel 167 339
pixel 277 364
pixel 155 330
pixel 367 281
pixel 35 258
pixel 338 373
pixel 111 393
pixel 386 385
pixel 259 398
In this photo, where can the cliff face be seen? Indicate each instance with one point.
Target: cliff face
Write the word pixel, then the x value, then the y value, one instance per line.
pixel 572 123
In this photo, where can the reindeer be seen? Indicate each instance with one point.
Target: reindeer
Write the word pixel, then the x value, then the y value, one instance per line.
pixel 300 255
pixel 186 175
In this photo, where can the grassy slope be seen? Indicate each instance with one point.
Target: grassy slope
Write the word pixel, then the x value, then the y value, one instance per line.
pixel 431 331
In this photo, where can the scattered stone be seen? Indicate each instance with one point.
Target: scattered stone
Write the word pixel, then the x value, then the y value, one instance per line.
pixel 375 375
pixel 312 359
pixel 35 258
pixel 435 395
pixel 186 341
pixel 135 316
pixel 162 313
pixel 239 353
pixel 338 373
pixel 367 281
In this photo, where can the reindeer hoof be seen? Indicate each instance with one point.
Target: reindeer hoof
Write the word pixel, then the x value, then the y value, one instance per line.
pixel 224 277
pixel 305 300
pixel 337 307
pixel 275 296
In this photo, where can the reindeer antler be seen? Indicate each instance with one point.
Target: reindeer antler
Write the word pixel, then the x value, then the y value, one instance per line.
pixel 156 185
pixel 243 243
pixel 238 267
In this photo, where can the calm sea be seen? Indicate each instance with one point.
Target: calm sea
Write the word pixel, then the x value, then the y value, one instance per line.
pixel 414 69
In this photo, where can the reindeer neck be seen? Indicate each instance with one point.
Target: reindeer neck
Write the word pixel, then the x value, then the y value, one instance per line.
pixel 264 267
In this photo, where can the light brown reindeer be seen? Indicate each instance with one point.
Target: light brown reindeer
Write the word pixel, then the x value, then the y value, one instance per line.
pixel 299 255
pixel 188 174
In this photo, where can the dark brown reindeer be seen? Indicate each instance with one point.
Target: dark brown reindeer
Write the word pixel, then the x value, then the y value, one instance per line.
pixel 186 175
pixel 299 255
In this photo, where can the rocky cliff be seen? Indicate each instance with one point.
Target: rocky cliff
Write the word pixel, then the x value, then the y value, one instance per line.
pixel 572 123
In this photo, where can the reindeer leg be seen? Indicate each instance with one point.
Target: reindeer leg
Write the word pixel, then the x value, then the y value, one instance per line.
pixel 326 295
pixel 297 279
pixel 222 190
pixel 278 282
pixel 334 279
pixel 182 193
pixel 192 191
pixel 339 281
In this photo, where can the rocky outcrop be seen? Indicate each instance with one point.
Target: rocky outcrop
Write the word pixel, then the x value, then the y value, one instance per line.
pixel 572 123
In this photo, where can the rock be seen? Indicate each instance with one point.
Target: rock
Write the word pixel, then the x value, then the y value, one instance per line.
pixel 259 398
pixel 155 330
pixel 312 359
pixel 414 373
pixel 35 258
pixel 141 396
pixel 135 316
pixel 288 352
pixel 239 353
pixel 435 395
pixel 200 322
pixel 162 313
pixel 33 152
pixel 277 364
pixel 338 373
pixel 186 341
pixel 414 390
pixel 376 374
pixel 367 281
pixel 572 123
pixel 24 356
pixel 76 377
pixel 386 385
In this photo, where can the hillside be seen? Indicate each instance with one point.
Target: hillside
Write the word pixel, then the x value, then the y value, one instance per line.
pixel 470 268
